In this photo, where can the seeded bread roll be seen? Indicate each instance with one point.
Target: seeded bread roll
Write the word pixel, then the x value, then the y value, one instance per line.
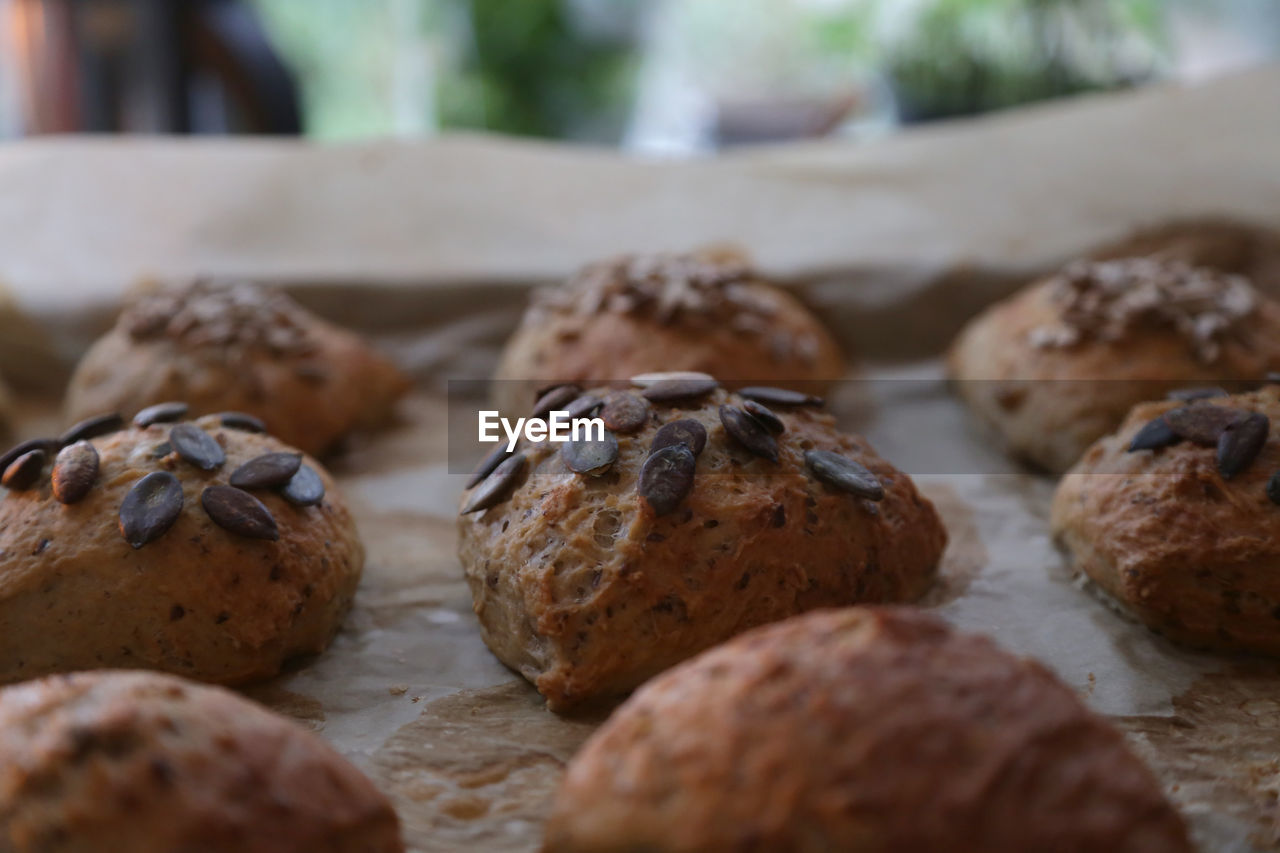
pixel 221 346
pixel 1231 247
pixel 706 312
pixel 1058 365
pixel 701 514
pixel 132 549
pixel 147 763
pixel 864 729
pixel 1184 530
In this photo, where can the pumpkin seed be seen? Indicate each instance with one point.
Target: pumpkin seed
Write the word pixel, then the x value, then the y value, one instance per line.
pixel 779 396
pixel 1241 442
pixel 1154 434
pixel 749 432
pixel 669 390
pixel 1202 424
pixel 495 487
pixel 197 447
pixel 644 380
pixel 150 508
pixel 845 474
pixel 554 401
pixel 160 413
pixel 764 415
pixel 242 421
pixel 24 472
pixel 305 489
pixel 268 471
pixel 239 512
pixel 692 434
pixel 74 472
pixel 590 456
pixel 92 428
pixel 624 412
pixel 666 478
pixel 487 464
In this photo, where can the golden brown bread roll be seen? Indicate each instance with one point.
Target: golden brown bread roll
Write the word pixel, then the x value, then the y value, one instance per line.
pixel 699 523
pixel 234 346
pixel 119 549
pixel 1185 533
pixel 864 729
pixel 1059 364
pixel 148 763
pixel 704 311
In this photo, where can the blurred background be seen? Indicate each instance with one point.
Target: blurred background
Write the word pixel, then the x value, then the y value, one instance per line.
pixel 662 77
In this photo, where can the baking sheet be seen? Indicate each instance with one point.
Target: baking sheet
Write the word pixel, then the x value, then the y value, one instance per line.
pixel 471 757
pixel 431 249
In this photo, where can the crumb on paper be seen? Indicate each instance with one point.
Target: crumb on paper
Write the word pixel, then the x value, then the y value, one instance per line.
pixel 398 689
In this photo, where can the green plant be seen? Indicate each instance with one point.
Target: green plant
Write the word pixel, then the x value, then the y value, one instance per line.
pixel 970 56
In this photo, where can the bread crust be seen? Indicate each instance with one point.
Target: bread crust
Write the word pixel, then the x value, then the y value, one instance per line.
pixel 199 601
pixel 1194 556
pixel 762 336
pixel 238 347
pixel 583 590
pixel 149 763
pixel 862 729
pixel 1048 404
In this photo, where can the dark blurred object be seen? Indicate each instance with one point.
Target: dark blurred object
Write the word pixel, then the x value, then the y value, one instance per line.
pixel 777 119
pixel 148 66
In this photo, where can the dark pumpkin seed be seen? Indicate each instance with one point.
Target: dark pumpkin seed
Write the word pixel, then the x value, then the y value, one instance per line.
pixel 241 421
pixel 74 472
pixel 1154 434
pixel 749 432
pixel 624 412
pixel 92 428
pixel 692 434
pixel 670 390
pixel 555 400
pixel 160 413
pixel 162 450
pixel 549 386
pixel 1273 488
pixel 24 472
pixel 268 471
pixel 666 478
pixel 1190 395
pixel 764 415
pixel 150 509
pixel 779 396
pixel 197 447
pixel 583 406
pixel 1240 443
pixel 305 489
pixel 590 456
pixel 644 380
pixel 239 512
pixel 48 445
pixel 495 487
pixel 487 464
pixel 1272 378
pixel 1202 424
pixel 845 474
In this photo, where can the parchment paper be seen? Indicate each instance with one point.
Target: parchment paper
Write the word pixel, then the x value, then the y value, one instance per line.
pixel 430 251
